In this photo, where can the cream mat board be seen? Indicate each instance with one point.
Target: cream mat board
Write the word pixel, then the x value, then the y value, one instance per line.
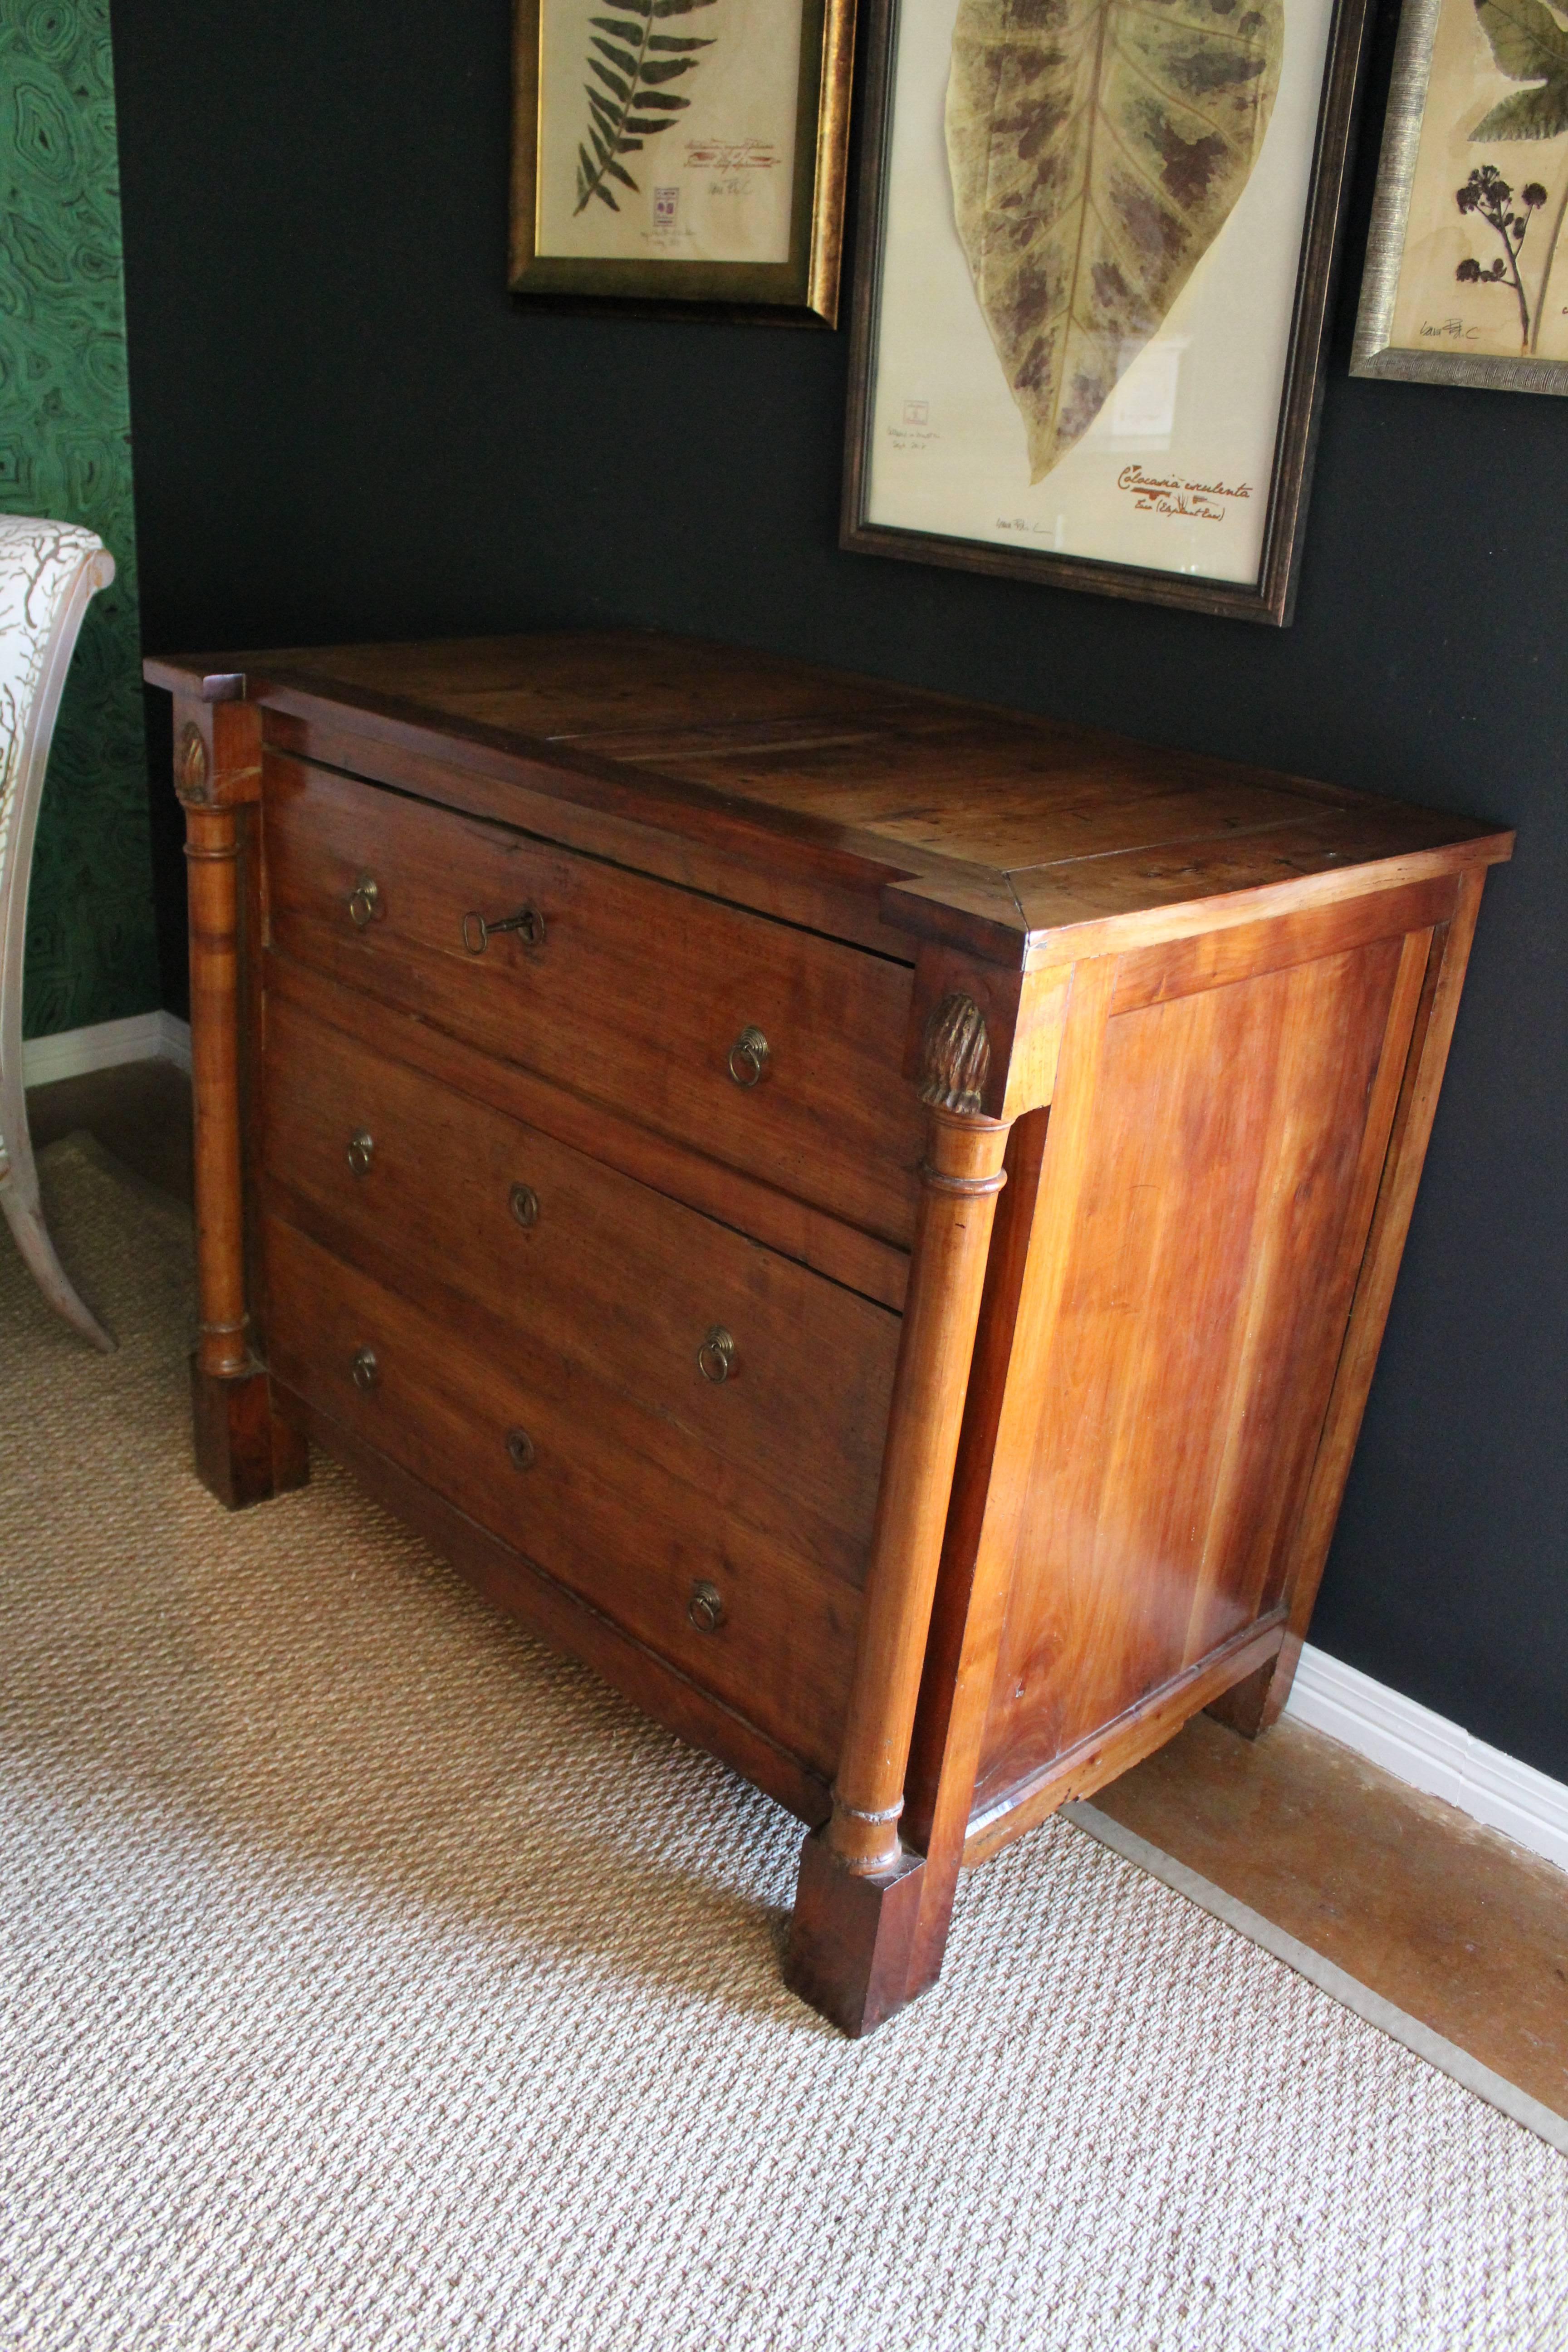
pixel 373 1982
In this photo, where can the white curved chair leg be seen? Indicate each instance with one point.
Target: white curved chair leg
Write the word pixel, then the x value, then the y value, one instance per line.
pixel 50 572
pixel 19 1176
pixel 19 1183
pixel 25 1220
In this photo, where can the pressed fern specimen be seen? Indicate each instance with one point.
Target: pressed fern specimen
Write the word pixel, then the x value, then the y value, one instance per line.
pixel 629 100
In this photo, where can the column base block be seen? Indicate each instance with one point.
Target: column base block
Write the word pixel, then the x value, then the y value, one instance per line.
pixel 852 1938
pixel 245 1453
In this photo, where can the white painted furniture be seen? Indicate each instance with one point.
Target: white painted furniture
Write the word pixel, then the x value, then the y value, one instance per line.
pixel 49 572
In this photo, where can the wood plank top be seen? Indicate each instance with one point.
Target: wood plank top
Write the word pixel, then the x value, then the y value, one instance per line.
pixel 1027 841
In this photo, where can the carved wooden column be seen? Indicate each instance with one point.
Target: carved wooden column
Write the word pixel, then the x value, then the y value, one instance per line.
pixel 243 1453
pixel 860 1893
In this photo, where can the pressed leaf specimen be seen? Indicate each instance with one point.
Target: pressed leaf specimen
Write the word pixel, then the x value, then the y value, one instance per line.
pixel 1531 45
pixel 1097 149
pixel 629 97
pixel 1528 45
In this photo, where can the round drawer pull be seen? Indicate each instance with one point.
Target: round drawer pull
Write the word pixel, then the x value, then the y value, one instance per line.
pixel 361 1152
pixel 366 1371
pixel 364 900
pixel 706 1607
pixel 749 1058
pixel 519 1445
pixel 523 1202
pixel 478 934
pixel 716 1356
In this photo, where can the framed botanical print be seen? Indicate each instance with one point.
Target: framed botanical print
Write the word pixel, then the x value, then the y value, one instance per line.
pixel 1096 255
pixel 1466 267
pixel 682 154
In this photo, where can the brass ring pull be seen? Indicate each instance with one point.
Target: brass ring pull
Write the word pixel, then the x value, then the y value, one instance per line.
pixel 706 1607
pixel 364 900
pixel 478 934
pixel 519 1445
pixel 361 1152
pixel 366 1371
pixel 749 1058
pixel 523 1202
pixel 716 1356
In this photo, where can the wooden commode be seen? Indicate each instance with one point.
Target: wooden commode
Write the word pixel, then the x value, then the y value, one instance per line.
pixel 865 1218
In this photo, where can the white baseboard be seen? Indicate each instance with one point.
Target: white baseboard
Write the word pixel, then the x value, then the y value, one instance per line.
pixel 71 1052
pixel 1432 1754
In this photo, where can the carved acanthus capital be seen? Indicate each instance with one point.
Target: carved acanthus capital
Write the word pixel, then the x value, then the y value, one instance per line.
pixel 956 1057
pixel 193 767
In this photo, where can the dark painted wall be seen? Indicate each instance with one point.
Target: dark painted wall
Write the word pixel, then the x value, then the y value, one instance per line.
pixel 344 428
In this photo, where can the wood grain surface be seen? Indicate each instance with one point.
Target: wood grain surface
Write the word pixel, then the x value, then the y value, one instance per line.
pixel 1004 828
pixel 1182 1311
pixel 749 975
pixel 602 1508
pixel 636 997
pixel 610 1274
pixel 567 1619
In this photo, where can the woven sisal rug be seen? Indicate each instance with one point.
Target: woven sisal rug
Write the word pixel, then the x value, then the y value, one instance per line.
pixel 370 1978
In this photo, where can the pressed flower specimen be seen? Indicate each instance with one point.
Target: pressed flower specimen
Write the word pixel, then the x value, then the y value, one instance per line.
pixel 1529 44
pixel 1489 196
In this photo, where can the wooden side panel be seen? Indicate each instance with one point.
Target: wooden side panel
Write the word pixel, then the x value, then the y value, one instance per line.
pixel 1251 1706
pixel 1203 1211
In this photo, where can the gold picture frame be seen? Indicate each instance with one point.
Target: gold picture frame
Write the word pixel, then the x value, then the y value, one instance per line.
pixel 723 196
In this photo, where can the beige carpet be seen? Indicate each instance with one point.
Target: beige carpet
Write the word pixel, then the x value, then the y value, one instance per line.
pixel 371 1978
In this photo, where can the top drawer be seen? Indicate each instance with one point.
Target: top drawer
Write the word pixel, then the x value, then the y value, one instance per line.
pixel 764 1047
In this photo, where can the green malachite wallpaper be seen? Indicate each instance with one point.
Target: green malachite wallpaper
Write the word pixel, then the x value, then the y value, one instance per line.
pixel 65 451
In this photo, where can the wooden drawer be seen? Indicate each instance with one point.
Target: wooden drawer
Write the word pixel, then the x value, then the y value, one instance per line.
pixel 600 1502
pixel 422 1187
pixel 636 996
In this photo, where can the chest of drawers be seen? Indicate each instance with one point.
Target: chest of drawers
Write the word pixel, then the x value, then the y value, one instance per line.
pixel 867 1219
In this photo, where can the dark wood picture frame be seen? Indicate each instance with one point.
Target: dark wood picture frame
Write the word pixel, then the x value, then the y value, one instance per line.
pixel 801 291
pixel 1271 598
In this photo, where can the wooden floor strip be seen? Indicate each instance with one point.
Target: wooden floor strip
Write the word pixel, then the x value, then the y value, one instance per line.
pixel 1445 2055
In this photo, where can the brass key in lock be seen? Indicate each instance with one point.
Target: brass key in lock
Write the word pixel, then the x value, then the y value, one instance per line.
pixel 478 933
